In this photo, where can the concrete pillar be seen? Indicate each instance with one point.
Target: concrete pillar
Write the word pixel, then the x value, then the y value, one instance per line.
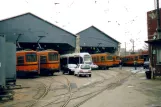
pixel 77 49
pixel 2 62
pixel 118 50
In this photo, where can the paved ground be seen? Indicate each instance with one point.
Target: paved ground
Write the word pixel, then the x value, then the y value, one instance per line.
pixel 106 88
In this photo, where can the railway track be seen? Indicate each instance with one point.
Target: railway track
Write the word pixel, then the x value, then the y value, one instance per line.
pixel 110 86
pixel 47 89
pixel 70 92
pixel 90 95
pixel 37 97
pixel 44 93
pixel 70 95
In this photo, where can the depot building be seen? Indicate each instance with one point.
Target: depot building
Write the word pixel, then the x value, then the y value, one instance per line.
pixel 28 29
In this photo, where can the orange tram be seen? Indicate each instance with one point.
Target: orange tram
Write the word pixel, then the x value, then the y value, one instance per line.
pixel 116 60
pixel 103 60
pixel 49 62
pixel 129 59
pixel 27 63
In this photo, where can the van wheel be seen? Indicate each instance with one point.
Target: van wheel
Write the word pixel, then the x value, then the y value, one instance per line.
pixel 89 75
pixel 70 73
pixel 63 72
pixel 75 74
pixel 52 74
pixel 153 75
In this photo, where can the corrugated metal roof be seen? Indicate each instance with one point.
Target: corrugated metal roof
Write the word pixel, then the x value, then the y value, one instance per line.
pixel 99 31
pixel 28 13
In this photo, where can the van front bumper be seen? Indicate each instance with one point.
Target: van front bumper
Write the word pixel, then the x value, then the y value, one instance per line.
pixel 84 73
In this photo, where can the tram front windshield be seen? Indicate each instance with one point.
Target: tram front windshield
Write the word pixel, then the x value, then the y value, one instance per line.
pixel 31 57
pixel 75 60
pixel 87 59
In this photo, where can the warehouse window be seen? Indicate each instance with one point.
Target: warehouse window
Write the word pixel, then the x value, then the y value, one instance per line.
pixel 20 60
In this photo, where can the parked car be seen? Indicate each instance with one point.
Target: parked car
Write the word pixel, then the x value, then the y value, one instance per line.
pixel 94 66
pixel 69 68
pixel 146 65
pixel 83 70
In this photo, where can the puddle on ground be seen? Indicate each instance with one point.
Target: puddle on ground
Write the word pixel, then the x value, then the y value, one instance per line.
pixel 130 86
pixel 143 78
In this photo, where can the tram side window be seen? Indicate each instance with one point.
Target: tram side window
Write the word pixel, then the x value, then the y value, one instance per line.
pixel 97 58
pixel 53 57
pixel 113 59
pixel 31 57
pixel 94 59
pixel 128 59
pixel 20 60
pixel 131 59
pixel 102 58
pixel 136 58
pixel 109 58
pixel 56 57
pixel 43 59
pixel 117 58
pixel 141 57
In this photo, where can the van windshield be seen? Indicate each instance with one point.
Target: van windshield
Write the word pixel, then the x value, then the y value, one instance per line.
pixel 75 60
pixel 72 65
pixel 31 57
pixel 87 58
pixel 85 66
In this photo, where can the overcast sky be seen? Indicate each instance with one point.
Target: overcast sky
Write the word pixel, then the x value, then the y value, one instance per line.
pixel 121 19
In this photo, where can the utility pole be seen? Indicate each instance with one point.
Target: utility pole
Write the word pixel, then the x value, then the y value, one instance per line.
pixel 125 48
pixel 133 45
pixel 158 21
pixel 132 41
